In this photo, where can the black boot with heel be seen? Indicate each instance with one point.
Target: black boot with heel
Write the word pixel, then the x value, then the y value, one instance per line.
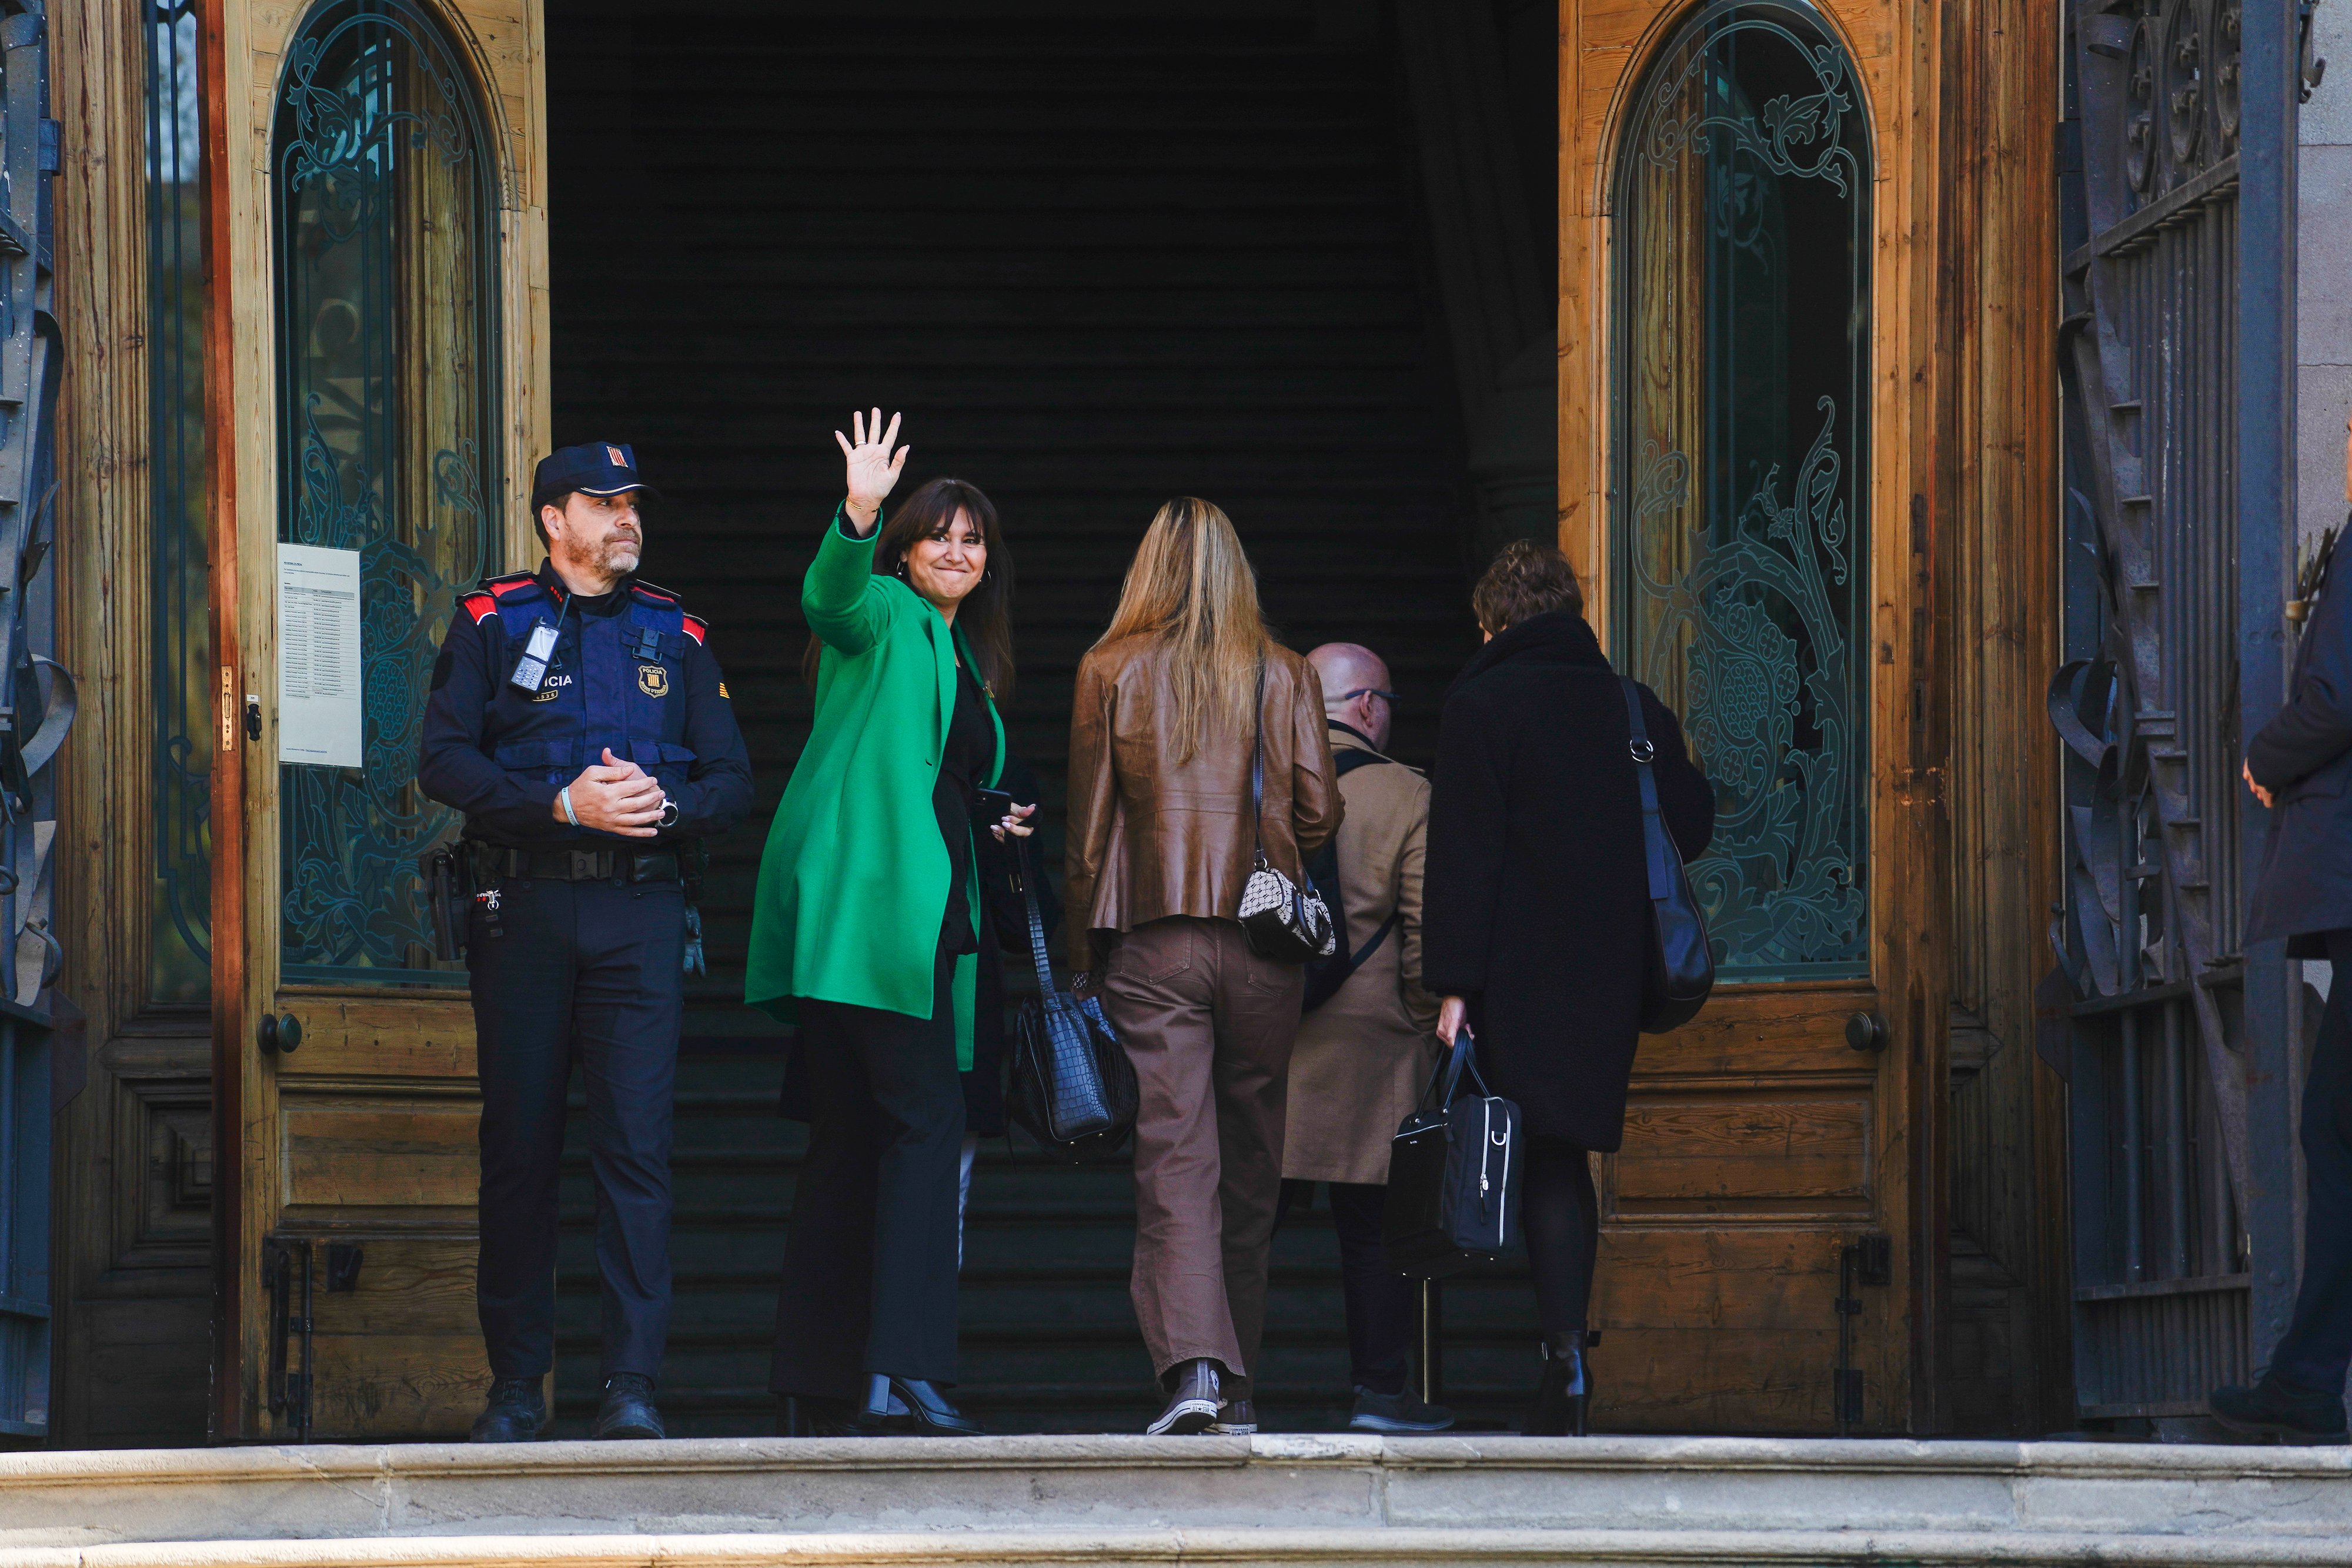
pixel 1564 1395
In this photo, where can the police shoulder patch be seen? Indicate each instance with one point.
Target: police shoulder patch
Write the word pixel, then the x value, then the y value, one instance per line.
pixel 510 582
pixel 480 606
pixel 697 627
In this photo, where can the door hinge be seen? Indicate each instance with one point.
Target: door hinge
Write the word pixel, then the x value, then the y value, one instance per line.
pixel 1867 1260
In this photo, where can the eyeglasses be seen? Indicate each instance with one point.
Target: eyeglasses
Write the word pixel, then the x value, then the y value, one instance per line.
pixel 1388 698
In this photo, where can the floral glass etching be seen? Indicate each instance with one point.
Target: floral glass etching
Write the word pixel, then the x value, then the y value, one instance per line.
pixel 1738 470
pixel 386 224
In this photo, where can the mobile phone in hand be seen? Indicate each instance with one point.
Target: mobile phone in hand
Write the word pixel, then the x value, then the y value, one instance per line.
pixel 991 807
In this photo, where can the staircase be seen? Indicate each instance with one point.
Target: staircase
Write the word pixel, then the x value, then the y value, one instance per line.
pixel 1100 254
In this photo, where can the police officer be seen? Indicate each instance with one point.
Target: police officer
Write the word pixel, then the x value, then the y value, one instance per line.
pixel 578 719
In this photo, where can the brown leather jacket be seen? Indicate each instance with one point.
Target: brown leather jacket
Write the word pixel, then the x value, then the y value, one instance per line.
pixel 1149 837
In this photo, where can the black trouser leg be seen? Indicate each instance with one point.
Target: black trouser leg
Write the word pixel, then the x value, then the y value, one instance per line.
pixel 869 1279
pixel 2317 1345
pixel 1561 1215
pixel 628 997
pixel 825 1300
pixel 522 1029
pixel 1380 1300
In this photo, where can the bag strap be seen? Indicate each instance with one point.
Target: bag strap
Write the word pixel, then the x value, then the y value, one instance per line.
pixel 1036 924
pixel 1447 1077
pixel 1257 768
pixel 1655 847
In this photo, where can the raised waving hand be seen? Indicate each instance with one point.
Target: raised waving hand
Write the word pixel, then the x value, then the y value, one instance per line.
pixel 873 467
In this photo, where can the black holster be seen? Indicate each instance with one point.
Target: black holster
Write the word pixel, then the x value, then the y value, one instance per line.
pixel 448 889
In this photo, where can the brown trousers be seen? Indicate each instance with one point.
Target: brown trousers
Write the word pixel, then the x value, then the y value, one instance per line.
pixel 1209 1026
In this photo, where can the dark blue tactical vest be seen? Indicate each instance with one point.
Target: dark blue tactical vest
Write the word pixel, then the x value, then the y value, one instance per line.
pixel 615 680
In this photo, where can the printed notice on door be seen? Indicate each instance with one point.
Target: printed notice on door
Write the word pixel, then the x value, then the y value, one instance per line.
pixel 319 656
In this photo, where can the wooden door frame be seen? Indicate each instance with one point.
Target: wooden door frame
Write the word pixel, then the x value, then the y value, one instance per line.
pixel 503 42
pixel 1604 50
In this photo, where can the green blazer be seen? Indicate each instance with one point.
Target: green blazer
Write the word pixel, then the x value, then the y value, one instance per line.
pixel 854 883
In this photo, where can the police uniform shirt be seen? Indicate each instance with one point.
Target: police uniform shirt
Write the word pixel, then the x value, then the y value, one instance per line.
pixel 501 754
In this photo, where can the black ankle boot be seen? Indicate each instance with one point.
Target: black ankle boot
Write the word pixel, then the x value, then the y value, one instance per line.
pixel 1564 1395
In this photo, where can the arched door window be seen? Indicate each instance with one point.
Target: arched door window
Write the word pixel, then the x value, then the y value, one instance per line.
pixel 384 208
pixel 1740 462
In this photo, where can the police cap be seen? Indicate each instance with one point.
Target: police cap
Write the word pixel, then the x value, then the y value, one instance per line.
pixel 595 468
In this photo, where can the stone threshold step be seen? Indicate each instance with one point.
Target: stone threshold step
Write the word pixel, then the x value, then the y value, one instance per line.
pixel 1626 1499
pixel 1229 1547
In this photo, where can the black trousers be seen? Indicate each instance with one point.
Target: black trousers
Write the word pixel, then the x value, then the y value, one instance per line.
pixel 585 972
pixel 2317 1345
pixel 1379 1299
pixel 870 1261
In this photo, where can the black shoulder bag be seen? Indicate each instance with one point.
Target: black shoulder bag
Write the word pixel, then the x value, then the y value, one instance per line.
pixel 1455 1172
pixel 1325 976
pixel 1072 1087
pixel 1681 965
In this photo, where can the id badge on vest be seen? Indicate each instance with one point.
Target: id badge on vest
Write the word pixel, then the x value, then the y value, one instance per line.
pixel 531 670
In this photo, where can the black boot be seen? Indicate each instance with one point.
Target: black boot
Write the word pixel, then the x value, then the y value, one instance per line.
pixel 628 1410
pixel 516 1412
pixel 814 1415
pixel 1565 1392
pixel 2273 1408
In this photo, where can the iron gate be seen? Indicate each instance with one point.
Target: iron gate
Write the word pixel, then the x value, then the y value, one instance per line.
pixel 2176 356
pixel 37 706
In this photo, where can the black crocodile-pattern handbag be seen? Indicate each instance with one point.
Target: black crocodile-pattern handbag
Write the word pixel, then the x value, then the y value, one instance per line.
pixel 1072 1087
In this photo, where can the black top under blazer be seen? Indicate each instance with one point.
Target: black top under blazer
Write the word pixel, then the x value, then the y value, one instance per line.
pixel 2303 757
pixel 1536 906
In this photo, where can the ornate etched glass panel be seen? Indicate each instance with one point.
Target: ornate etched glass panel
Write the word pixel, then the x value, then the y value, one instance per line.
pixel 386 231
pixel 1739 482
pixel 179 533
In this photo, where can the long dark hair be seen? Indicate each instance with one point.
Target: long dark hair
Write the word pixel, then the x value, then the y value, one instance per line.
pixel 985 616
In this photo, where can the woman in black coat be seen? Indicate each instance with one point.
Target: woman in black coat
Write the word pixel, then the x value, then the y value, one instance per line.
pixel 1536 916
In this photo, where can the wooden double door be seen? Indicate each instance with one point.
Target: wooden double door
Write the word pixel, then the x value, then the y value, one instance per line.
pixel 1744 450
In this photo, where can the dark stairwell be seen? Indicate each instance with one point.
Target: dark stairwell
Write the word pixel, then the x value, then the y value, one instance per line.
pixel 1100 255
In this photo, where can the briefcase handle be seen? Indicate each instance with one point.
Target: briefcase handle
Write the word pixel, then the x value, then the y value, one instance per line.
pixel 1461 1057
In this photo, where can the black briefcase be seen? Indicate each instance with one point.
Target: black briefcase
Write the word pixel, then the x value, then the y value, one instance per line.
pixel 1454 1171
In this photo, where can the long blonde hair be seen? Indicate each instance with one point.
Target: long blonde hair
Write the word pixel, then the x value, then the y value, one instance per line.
pixel 1192 585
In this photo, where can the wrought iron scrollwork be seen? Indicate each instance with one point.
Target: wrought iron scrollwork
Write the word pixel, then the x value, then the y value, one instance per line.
pixel 1742 330
pixel 385 194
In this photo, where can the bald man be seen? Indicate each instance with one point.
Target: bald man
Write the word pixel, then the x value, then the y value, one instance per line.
pixel 1364 1052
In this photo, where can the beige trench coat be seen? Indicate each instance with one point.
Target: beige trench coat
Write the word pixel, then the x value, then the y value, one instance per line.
pixel 1363 1057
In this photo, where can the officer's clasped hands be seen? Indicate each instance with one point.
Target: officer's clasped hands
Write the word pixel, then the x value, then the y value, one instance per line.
pixel 614 797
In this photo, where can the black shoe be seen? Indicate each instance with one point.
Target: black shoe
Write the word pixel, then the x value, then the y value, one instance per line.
pixel 1194 1407
pixel 1235 1419
pixel 814 1415
pixel 2272 1408
pixel 909 1408
pixel 516 1413
pixel 628 1408
pixel 928 1412
pixel 1565 1392
pixel 1397 1413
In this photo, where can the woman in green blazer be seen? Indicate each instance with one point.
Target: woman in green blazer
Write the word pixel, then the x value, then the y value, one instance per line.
pixel 865 933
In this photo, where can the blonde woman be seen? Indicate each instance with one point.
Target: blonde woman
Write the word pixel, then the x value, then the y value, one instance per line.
pixel 1170 705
